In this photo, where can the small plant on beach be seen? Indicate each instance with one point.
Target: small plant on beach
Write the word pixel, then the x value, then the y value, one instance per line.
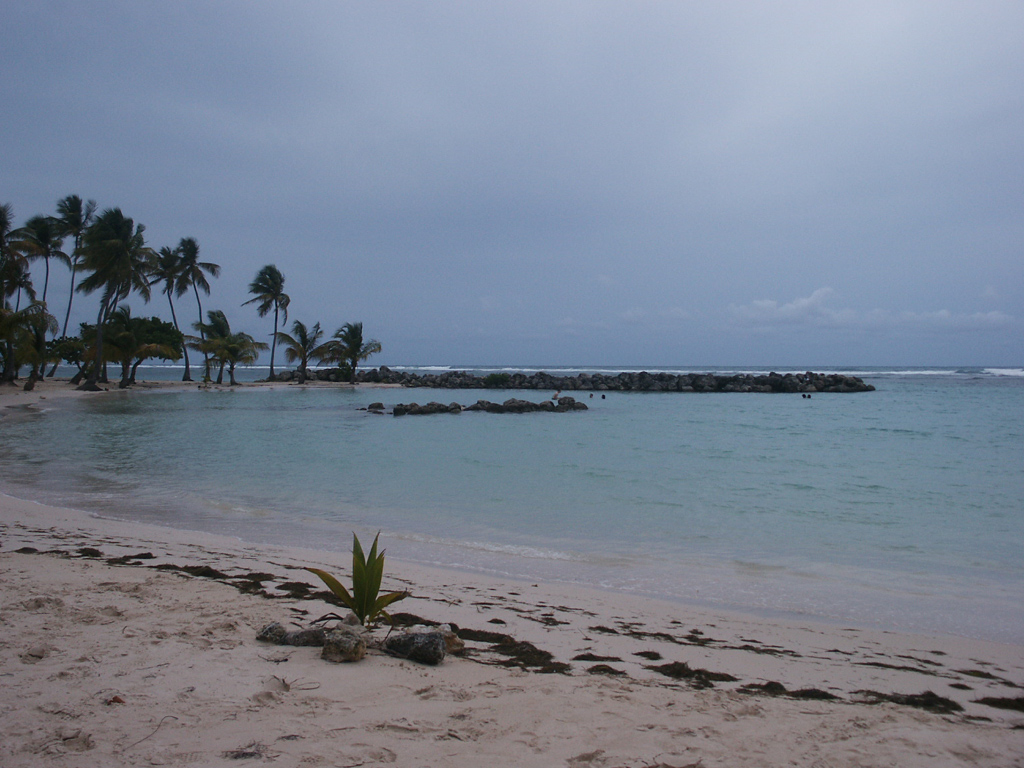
pixel 365 600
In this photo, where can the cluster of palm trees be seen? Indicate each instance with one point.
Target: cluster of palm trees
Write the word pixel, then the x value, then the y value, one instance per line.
pixel 346 348
pixel 110 252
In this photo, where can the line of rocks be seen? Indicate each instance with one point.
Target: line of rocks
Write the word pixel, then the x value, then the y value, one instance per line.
pixel 348 641
pixel 512 405
pixel 643 381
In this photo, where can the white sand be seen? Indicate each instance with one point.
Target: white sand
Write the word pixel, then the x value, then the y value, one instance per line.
pixel 82 636
pixel 129 664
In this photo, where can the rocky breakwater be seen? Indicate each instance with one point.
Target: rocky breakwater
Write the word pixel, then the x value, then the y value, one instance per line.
pixel 511 405
pixel 643 381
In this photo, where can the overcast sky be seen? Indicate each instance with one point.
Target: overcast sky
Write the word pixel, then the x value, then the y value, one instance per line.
pixel 553 183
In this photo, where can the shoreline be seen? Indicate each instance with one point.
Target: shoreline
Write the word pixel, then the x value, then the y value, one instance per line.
pixel 96 590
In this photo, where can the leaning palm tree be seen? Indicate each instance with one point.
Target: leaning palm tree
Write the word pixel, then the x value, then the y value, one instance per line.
pixel 302 345
pixel 193 274
pixel 347 346
pixel 117 258
pixel 75 217
pixel 166 269
pixel 268 289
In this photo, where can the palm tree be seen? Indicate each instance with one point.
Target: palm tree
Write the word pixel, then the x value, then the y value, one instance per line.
pixel 268 289
pixel 13 264
pixel 42 238
pixel 166 269
pixel 210 335
pixel 302 345
pixel 240 348
pixel 7 249
pixel 12 274
pixel 20 331
pixel 224 346
pixel 115 253
pixel 18 280
pixel 347 346
pixel 193 273
pixel 75 218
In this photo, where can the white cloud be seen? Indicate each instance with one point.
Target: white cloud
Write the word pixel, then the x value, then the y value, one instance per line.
pixel 809 310
pixel 675 313
pixel 634 315
pixel 814 311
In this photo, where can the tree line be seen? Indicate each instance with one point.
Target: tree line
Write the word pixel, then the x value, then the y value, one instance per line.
pixel 109 258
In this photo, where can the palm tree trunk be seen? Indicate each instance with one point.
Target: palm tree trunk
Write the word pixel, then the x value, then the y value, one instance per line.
pixel 46 280
pixel 202 335
pixel 71 298
pixel 273 343
pixel 9 370
pixel 97 367
pixel 67 315
pixel 174 317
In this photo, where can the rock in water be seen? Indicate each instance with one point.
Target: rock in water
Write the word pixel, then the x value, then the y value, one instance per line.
pixel 341 646
pixel 424 647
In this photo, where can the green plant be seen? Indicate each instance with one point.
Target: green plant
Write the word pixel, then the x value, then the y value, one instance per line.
pixel 497 380
pixel 367 570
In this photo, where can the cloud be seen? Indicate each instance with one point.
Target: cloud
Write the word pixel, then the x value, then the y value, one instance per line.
pixel 814 311
pixel 806 311
pixel 652 317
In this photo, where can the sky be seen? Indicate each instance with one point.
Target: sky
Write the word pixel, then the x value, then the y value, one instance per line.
pixel 552 183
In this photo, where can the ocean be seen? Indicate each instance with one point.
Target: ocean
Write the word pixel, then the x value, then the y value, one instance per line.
pixel 899 509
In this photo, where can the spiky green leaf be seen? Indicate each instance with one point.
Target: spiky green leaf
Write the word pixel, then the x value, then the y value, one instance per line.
pixel 336 587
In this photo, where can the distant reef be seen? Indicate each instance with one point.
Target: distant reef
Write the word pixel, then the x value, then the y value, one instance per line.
pixel 805 383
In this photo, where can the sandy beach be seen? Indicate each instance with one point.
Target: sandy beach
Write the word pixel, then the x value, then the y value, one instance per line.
pixel 129 644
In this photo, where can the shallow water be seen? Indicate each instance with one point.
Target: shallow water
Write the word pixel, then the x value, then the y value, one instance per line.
pixel 899 508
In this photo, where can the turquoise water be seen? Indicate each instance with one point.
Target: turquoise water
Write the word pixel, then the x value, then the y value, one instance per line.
pixel 900 508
